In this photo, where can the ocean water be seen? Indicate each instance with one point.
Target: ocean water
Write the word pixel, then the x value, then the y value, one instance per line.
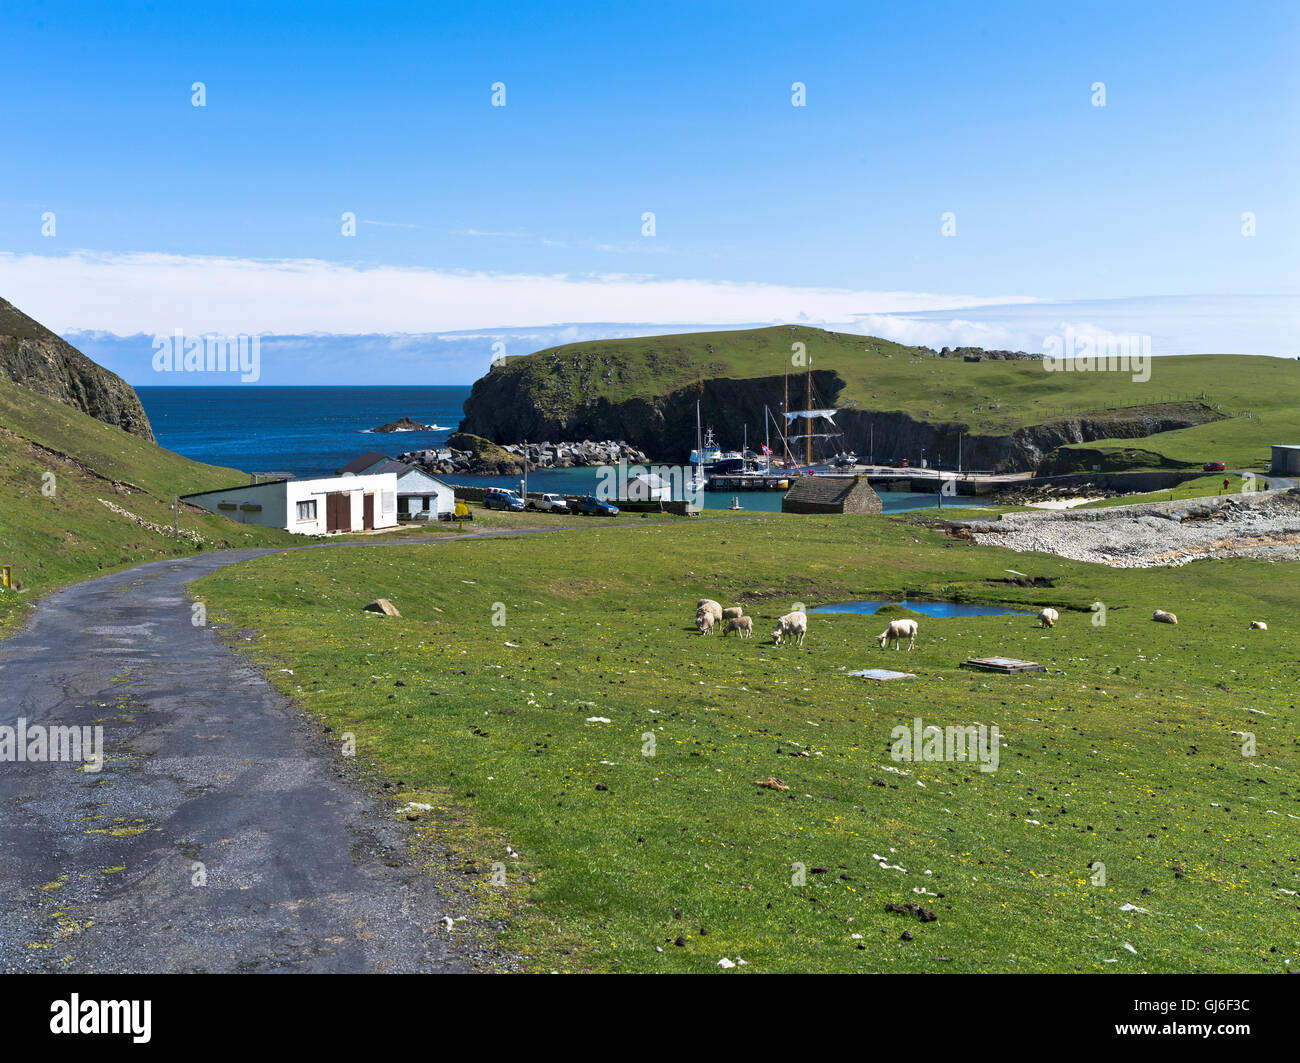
pixel 312 431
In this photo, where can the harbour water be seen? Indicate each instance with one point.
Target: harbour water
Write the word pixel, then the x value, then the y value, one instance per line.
pixel 312 431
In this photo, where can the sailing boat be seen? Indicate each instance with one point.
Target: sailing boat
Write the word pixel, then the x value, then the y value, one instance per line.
pixel 818 423
pixel 697 481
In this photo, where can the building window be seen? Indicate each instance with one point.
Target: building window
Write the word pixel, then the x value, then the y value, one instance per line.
pixel 307 510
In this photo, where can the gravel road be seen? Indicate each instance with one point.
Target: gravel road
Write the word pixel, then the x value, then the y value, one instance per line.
pixel 211 774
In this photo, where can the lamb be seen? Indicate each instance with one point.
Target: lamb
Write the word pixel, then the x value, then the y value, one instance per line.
pixel 743 625
pixel 1048 617
pixel 1258 625
pixel 792 626
pixel 898 630
pixel 733 612
pixel 1161 617
pixel 704 622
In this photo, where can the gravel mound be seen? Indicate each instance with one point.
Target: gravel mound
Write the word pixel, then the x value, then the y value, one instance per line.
pixel 1262 525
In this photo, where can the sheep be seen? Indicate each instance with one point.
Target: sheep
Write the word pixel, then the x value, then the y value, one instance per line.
pixel 792 626
pixel 709 602
pixel 897 630
pixel 707 607
pixel 733 612
pixel 1161 617
pixel 1048 617
pixel 1258 625
pixel 704 622
pixel 744 625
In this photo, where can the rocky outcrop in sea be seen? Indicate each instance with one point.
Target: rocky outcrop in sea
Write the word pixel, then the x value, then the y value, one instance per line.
pixel 479 457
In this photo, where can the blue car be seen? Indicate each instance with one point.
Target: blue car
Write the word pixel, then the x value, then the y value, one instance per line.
pixel 593 506
pixel 500 498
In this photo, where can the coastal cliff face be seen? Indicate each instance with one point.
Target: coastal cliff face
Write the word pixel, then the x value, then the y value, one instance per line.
pixel 503 407
pixel 35 358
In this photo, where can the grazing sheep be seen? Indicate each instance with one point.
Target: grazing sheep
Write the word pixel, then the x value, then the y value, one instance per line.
pixel 898 630
pixel 709 602
pixel 742 624
pixel 704 622
pixel 792 626
pixel 1258 625
pixel 1160 616
pixel 1048 617
pixel 733 612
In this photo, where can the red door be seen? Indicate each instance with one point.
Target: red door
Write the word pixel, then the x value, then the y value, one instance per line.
pixel 338 512
pixel 368 512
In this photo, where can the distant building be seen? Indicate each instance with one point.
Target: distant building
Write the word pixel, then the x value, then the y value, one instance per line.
pixel 419 495
pixel 831 494
pixel 1286 459
pixel 309 507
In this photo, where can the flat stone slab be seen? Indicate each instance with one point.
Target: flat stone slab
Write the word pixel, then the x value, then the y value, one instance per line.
pixel 883 674
pixel 1005 665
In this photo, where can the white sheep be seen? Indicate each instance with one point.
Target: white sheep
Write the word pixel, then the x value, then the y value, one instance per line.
pixel 1161 617
pixel 1048 617
pixel 704 622
pixel 898 630
pixel 1258 625
pixel 732 612
pixel 792 626
pixel 744 625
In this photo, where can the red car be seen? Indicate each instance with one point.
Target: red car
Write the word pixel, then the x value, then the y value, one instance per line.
pixel 1214 466
pixel 899 463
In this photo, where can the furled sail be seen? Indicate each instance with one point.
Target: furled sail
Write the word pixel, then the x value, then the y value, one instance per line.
pixel 828 414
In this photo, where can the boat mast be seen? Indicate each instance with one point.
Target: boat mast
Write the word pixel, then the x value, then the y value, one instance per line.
pixel 785 408
pixel 808 419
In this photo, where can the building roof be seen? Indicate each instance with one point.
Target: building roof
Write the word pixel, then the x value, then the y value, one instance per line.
pixel 367 461
pixel 822 490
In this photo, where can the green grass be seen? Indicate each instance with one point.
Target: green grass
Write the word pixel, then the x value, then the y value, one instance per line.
pixel 1238 442
pixel 988 397
pixel 1202 487
pixel 1126 752
pixel 56 464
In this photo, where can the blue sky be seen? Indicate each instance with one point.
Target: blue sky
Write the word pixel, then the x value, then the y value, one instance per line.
pixel 530 215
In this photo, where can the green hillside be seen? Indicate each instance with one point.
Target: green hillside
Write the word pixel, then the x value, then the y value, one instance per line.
pixel 1256 395
pixel 70 534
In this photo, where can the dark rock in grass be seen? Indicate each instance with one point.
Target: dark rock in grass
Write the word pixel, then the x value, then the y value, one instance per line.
pixel 680 942
pixel 906 935
pixel 601 786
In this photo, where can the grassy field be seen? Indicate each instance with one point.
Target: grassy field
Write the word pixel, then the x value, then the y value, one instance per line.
pixel 57 464
pixel 486 699
pixel 991 397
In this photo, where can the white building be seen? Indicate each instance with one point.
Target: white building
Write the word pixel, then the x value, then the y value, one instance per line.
pixel 419 495
pixel 309 507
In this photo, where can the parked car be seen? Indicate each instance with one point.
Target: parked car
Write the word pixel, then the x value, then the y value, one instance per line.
pixel 500 498
pixel 593 506
pixel 900 463
pixel 552 504
pixel 1214 466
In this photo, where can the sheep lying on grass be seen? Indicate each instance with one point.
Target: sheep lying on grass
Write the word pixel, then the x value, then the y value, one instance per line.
pixel 1161 617
pixel 1048 617
pixel 792 626
pixel 1258 625
pixel 899 630
pixel 744 625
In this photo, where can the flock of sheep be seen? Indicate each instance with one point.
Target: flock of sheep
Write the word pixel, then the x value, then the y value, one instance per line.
pixel 794 626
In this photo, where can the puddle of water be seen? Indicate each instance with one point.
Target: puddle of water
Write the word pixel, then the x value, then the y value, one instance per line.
pixel 938 610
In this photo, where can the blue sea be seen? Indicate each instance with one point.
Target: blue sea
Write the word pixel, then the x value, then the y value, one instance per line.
pixel 313 431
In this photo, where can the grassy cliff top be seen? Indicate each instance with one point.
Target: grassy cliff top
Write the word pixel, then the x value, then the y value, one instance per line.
pixel 990 396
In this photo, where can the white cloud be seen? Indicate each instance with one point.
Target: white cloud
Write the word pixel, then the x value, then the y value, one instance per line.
pixel 153 293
